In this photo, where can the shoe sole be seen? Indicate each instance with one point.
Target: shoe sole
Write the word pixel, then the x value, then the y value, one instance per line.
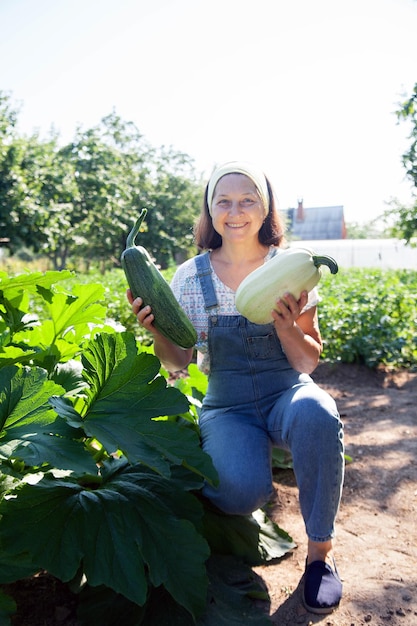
pixel 320 610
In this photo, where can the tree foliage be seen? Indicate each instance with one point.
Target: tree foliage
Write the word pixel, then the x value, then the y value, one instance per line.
pixel 405 217
pixel 408 111
pixel 77 202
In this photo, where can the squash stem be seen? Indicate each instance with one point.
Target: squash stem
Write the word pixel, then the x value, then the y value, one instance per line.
pixel 130 241
pixel 326 260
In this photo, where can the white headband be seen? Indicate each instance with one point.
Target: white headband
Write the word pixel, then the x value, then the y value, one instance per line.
pixel 240 167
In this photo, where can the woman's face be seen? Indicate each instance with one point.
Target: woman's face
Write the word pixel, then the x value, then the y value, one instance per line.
pixel 237 210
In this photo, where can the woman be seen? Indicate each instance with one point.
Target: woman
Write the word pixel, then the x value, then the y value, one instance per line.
pixel 260 393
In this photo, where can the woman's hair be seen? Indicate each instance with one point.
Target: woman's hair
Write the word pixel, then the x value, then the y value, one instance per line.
pixel 271 232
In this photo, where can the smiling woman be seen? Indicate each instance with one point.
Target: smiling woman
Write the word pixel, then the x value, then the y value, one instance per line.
pixel 259 394
pixel 237 213
pixel 253 186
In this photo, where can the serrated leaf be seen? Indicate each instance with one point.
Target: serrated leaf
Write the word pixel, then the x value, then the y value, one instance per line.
pixel 65 409
pixel 69 376
pixel 80 309
pixel 24 395
pixel 156 444
pixel 112 360
pixel 274 542
pixel 31 430
pixel 16 567
pixel 254 538
pixel 11 286
pixel 232 585
pixel 136 537
pixel 126 392
pixel 14 354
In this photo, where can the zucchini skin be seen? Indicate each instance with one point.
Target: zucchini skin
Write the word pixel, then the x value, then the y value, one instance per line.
pixel 147 282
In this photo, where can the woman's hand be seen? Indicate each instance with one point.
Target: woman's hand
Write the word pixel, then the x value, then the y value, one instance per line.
pixel 171 356
pixel 143 314
pixel 288 310
pixel 298 332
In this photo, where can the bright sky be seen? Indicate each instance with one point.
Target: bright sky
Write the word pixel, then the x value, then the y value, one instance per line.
pixel 306 89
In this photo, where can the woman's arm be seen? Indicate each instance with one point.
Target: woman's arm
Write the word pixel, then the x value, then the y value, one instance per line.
pixel 299 334
pixel 172 357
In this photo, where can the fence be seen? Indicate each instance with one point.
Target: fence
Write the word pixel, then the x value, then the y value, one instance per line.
pixel 372 253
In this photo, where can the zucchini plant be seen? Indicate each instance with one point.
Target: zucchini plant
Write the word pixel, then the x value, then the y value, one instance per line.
pixel 101 472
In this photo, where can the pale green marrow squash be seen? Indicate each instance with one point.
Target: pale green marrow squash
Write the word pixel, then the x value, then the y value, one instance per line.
pixel 291 271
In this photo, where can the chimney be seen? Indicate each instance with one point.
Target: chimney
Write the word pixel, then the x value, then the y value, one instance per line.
pixel 300 216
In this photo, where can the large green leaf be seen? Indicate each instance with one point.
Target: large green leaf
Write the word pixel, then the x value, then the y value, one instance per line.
pixel 7 608
pixel 31 430
pixel 101 605
pixel 274 541
pixel 78 311
pixel 30 282
pixel 59 338
pixel 13 354
pixel 15 567
pixel 125 393
pixel 24 395
pixel 233 587
pixel 112 365
pixel 156 444
pixel 122 534
pixel 233 598
pixel 254 538
pixel 173 490
pixel 46 343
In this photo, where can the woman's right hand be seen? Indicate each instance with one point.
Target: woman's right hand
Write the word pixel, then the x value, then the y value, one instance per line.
pixel 143 314
pixel 171 356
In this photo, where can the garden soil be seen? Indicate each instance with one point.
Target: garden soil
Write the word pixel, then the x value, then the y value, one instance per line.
pixel 376 545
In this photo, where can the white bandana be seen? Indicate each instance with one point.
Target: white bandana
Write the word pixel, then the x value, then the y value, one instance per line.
pixel 240 167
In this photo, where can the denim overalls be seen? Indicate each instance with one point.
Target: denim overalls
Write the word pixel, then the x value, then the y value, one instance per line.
pixel 256 400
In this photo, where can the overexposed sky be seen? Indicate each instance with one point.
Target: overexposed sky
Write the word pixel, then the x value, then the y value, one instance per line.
pixel 306 89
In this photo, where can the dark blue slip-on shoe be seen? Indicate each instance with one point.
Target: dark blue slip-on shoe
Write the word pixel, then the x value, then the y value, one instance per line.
pixel 322 588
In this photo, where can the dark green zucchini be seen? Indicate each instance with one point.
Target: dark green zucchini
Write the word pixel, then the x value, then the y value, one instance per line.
pixel 147 282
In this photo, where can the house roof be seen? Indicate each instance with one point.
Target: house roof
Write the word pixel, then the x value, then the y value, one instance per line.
pixel 316 222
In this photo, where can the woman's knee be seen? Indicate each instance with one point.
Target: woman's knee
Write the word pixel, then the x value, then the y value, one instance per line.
pixel 313 428
pixel 316 410
pixel 238 499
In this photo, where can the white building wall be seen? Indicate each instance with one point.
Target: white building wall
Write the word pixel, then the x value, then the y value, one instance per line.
pixel 372 253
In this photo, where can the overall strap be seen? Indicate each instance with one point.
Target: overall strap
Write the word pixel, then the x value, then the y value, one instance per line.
pixel 202 262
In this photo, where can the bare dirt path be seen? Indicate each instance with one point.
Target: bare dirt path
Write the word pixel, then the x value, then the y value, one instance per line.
pixel 376 544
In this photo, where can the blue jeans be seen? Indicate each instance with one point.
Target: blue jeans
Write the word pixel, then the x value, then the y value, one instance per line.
pixel 256 400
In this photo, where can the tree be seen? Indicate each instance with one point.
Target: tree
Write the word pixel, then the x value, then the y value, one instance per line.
pixel 366 230
pixel 109 171
pixel 117 174
pixel 408 111
pixel 173 203
pixel 79 201
pixel 24 165
pixel 404 218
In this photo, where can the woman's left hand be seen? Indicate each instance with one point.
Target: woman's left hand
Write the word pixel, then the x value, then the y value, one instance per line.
pixel 288 310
